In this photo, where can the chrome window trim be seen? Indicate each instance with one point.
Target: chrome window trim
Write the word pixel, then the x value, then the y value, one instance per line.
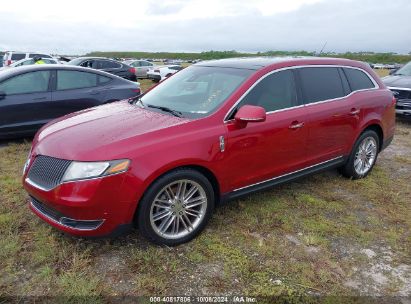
pixel 399 89
pixel 59 223
pixel 286 174
pixel 376 86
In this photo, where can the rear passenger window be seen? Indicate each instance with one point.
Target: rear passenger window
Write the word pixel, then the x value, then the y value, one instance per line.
pixel 67 80
pixel 274 92
pixel 107 64
pixel 358 80
pixel 17 56
pixel 320 84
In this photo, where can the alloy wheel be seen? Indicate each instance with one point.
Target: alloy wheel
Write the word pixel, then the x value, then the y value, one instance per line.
pixel 178 209
pixel 365 155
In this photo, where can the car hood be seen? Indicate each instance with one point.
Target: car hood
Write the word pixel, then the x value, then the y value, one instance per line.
pixel 397 81
pixel 99 133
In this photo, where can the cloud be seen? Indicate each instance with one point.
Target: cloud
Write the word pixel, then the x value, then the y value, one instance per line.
pixel 156 8
pixel 346 25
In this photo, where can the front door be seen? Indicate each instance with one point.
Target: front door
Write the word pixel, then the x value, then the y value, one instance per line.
pixel 264 150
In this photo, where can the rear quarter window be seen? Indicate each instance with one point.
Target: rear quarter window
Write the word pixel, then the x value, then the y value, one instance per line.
pixel 17 56
pixel 104 79
pixel 320 83
pixel 358 80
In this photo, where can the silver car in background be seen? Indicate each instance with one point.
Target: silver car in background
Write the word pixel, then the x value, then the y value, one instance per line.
pixel 141 66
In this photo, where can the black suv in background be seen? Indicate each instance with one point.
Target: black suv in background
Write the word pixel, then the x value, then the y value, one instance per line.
pixel 107 65
pixel 399 83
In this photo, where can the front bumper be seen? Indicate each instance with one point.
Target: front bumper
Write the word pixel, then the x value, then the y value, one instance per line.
pixel 91 208
pixel 403 96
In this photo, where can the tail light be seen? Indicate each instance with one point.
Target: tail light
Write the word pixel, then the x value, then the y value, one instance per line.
pixel 8 62
pixel 132 70
pixel 393 101
pixel 138 91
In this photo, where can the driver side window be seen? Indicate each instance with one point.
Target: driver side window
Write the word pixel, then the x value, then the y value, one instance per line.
pixel 275 92
pixel 86 64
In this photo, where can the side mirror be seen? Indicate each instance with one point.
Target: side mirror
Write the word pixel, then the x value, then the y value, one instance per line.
pixel 2 95
pixel 248 113
pixel 393 71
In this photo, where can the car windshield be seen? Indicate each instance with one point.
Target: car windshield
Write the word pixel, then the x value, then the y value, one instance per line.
pixel 405 70
pixel 196 91
pixel 76 61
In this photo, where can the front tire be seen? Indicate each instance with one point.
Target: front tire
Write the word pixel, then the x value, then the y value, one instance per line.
pixel 176 207
pixel 363 156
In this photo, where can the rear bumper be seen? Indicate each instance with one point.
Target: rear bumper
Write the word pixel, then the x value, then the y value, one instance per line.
pixel 154 77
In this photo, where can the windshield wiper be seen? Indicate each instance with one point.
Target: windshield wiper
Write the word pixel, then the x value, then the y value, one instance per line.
pixel 137 101
pixel 168 110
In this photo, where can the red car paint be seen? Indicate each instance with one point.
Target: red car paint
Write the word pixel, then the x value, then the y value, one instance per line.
pixel 157 143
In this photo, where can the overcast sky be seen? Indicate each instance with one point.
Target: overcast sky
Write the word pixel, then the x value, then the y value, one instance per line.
pixel 78 27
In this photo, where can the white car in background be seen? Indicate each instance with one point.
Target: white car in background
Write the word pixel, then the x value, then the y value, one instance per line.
pixel 11 57
pixel 29 61
pixel 160 73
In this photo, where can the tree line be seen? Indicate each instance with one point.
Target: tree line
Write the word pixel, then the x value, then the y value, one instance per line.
pixel 370 57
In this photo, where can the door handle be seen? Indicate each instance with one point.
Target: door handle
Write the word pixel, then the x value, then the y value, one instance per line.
pixel 95 92
pixel 354 111
pixel 296 125
pixel 40 98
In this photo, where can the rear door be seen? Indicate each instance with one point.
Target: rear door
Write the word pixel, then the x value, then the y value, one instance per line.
pixel 332 117
pixel 26 102
pixel 76 90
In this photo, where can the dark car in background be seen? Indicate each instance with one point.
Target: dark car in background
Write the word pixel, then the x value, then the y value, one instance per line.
pixel 31 96
pixel 399 83
pixel 107 65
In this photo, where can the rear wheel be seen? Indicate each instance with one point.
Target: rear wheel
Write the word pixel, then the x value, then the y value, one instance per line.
pixel 363 156
pixel 176 207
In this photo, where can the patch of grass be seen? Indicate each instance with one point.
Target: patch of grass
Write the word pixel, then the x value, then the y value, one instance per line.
pixel 306 234
pixel 79 286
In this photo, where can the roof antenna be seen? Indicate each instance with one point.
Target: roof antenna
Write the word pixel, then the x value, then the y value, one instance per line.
pixel 323 48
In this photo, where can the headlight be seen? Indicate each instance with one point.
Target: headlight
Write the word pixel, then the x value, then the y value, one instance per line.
pixel 85 170
pixel 27 163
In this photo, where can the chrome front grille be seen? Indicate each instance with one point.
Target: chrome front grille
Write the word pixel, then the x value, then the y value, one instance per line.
pixel 402 94
pixel 47 172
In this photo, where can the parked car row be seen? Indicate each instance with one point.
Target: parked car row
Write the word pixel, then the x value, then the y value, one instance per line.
pixel 129 69
pixel 389 66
